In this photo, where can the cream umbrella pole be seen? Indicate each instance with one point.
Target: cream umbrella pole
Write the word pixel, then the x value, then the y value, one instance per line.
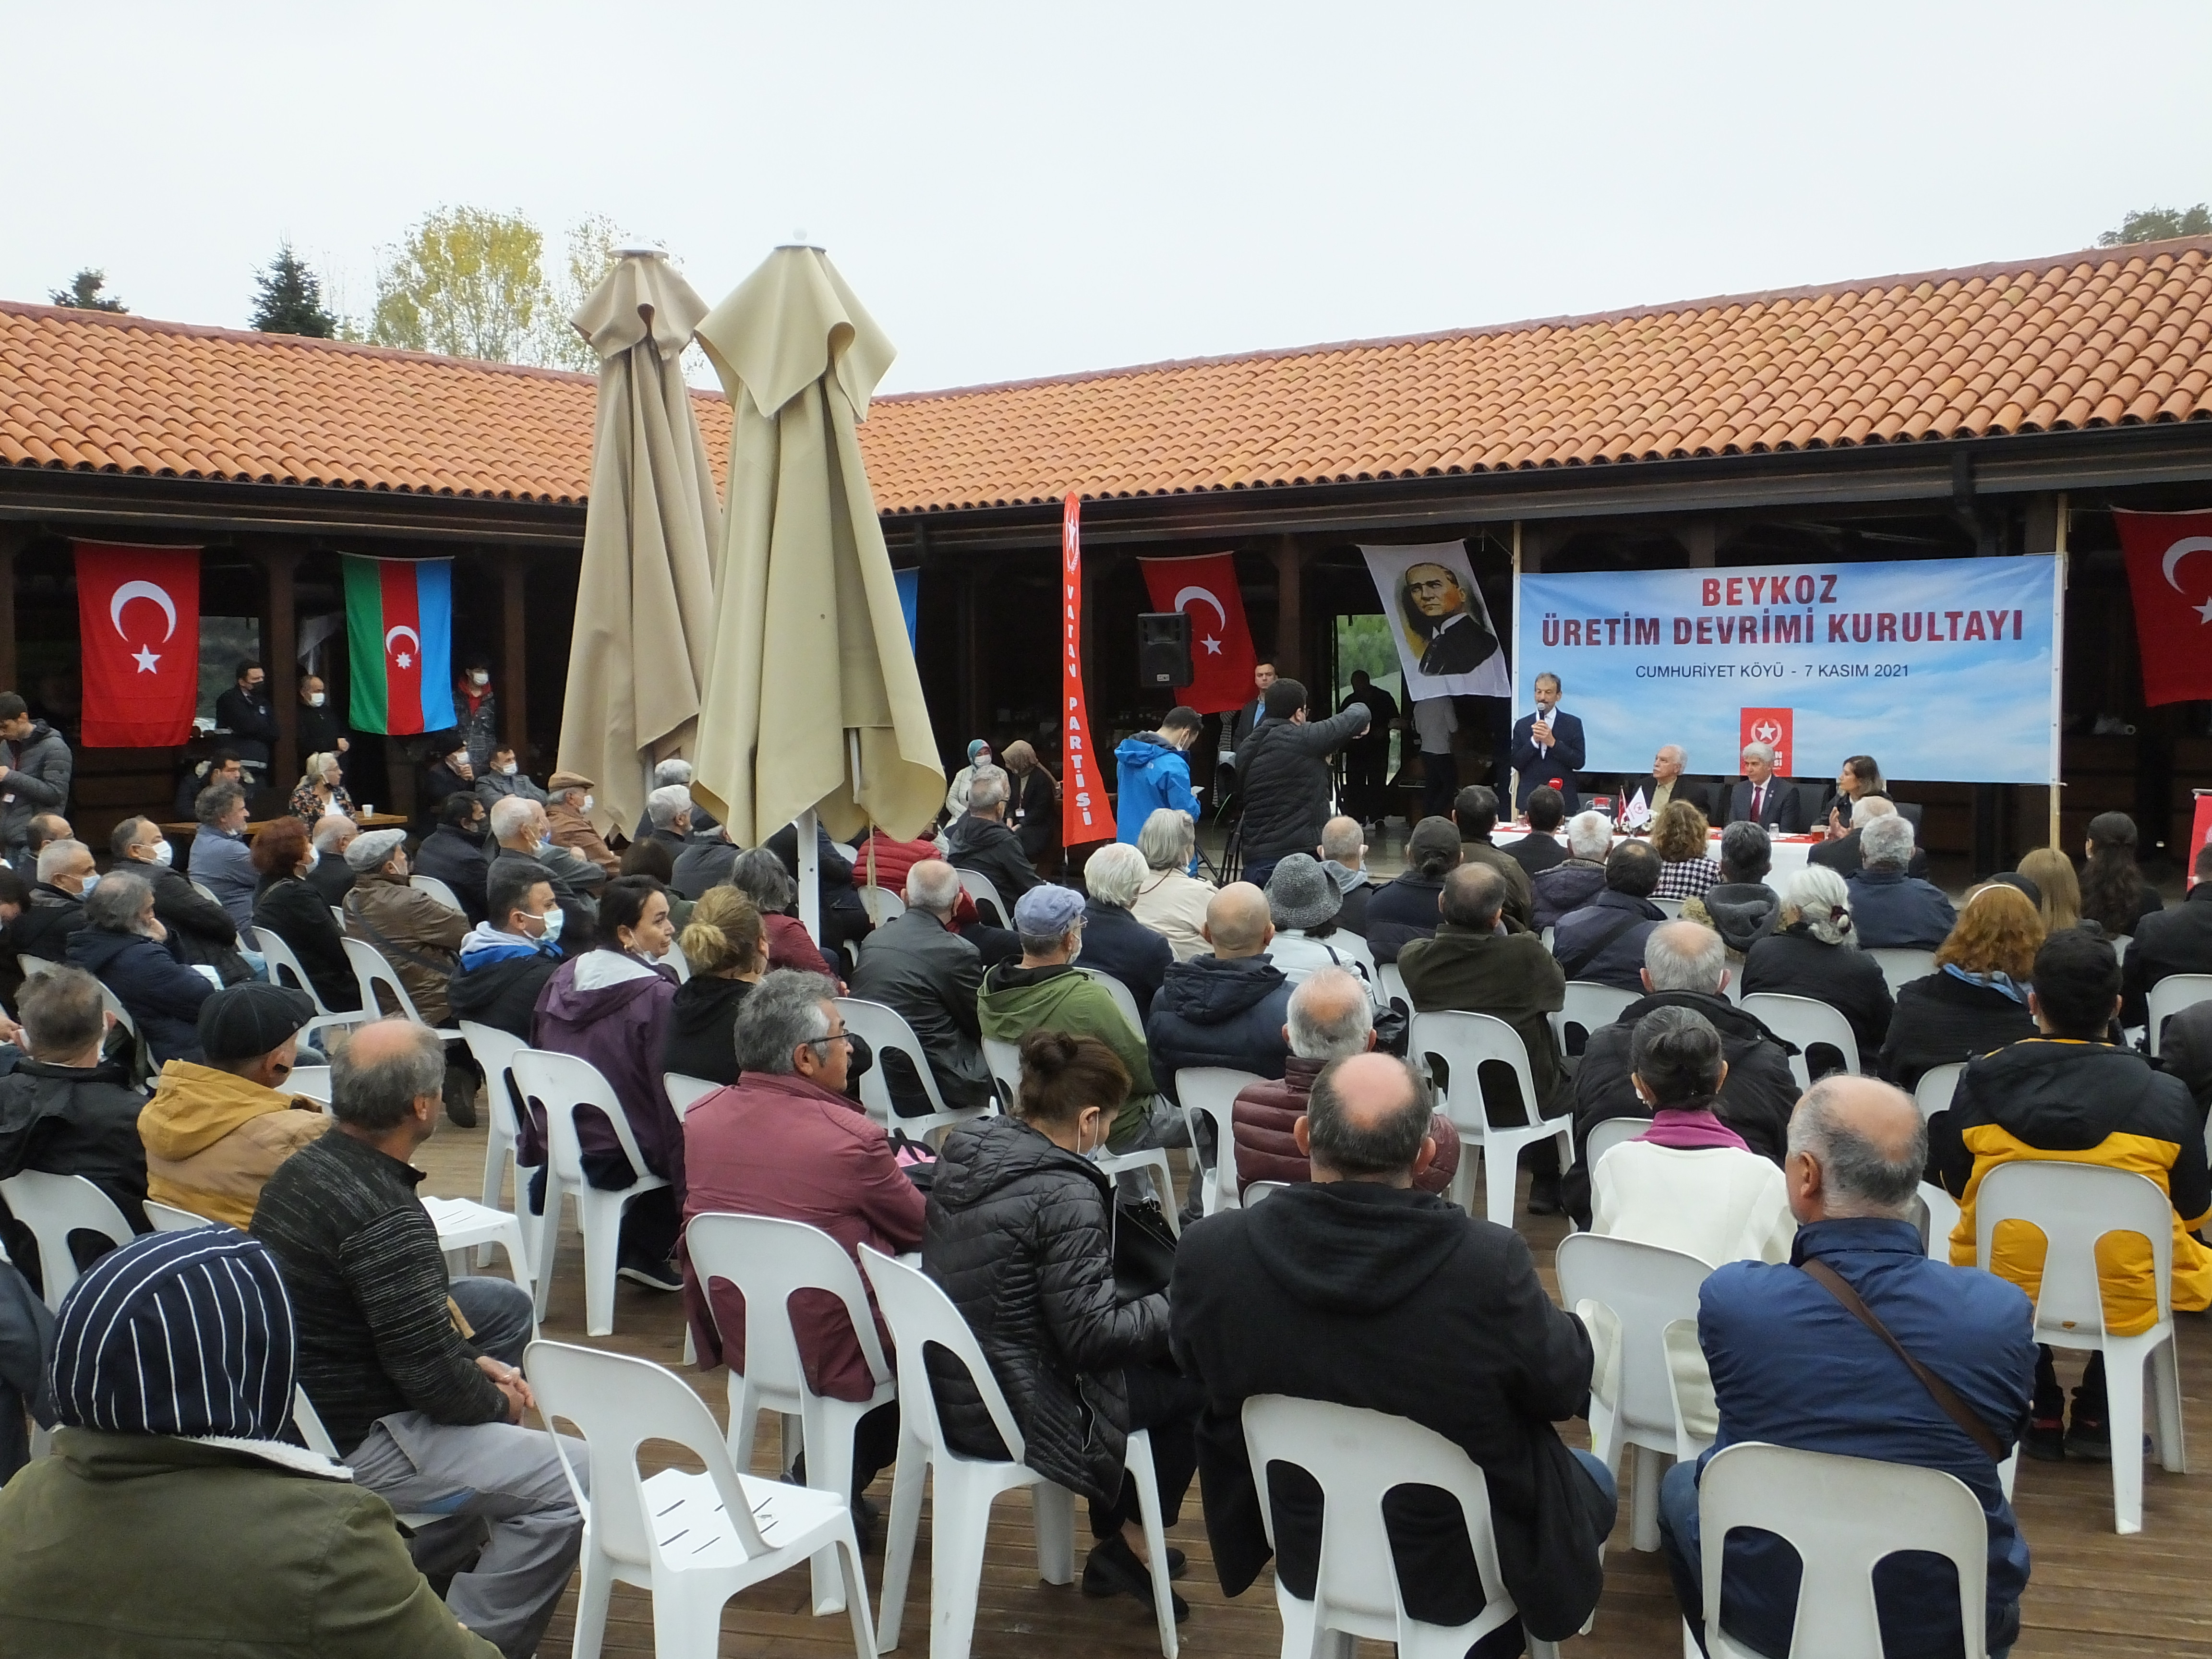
pixel 813 709
pixel 637 659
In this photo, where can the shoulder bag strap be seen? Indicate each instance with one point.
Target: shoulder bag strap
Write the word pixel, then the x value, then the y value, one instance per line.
pixel 1957 1409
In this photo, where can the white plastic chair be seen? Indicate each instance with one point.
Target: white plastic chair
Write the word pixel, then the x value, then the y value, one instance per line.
pixel 1937 1085
pixel 318 1438
pixel 36 967
pixel 1940 1211
pixel 979 888
pixel 1357 1457
pixel 694 1541
pixel 881 903
pixel 1255 1191
pixel 1390 980
pixel 1210 1091
pixel 769 1261
pixel 685 1091
pixel 1591 1006
pixel 1005 1061
pixel 2074 1205
pixel 1843 1515
pixel 1607 1133
pixel 1465 1042
pixel 53 1207
pixel 464 1225
pixel 313 1081
pixel 205 892
pixel 167 1218
pixel 284 967
pixel 919 1313
pixel 371 971
pixel 1647 1290
pixel 1673 907
pixel 1124 999
pixel 494 1051
pixel 1804 1021
pixel 2170 996
pixel 559 1085
pixel 1901 964
pixel 2120 943
pixel 884 1030
pixel 437 891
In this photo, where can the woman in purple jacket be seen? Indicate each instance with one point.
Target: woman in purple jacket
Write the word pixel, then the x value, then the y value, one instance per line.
pixel 611 1006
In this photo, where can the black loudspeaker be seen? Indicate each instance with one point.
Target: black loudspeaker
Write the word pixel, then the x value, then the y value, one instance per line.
pixel 1164 648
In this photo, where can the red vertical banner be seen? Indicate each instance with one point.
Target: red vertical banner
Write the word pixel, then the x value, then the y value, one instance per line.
pixel 1083 815
pixel 2200 831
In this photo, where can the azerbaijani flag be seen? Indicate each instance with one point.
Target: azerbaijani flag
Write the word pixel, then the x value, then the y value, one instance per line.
pixel 399 634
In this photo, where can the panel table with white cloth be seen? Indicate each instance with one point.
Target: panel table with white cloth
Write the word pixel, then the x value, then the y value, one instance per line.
pixel 1790 853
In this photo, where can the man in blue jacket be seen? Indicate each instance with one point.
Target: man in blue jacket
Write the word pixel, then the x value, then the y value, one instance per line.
pixel 1792 1366
pixel 1150 772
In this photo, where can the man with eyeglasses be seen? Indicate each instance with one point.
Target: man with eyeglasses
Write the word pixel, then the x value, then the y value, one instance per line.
pixel 784 1141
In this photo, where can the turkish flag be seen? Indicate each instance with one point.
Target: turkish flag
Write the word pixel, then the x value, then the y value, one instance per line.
pixel 2173 600
pixel 1771 727
pixel 139 616
pixel 1221 655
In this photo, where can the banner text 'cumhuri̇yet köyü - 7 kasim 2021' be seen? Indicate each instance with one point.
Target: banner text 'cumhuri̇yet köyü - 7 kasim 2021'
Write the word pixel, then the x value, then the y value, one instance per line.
pixel 1941 669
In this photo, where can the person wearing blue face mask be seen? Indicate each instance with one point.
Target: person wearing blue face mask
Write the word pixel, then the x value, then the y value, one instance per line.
pixel 506 961
pixel 66 878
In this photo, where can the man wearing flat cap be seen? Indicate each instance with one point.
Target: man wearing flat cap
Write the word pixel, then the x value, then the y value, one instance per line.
pixel 216 1132
pixel 568 811
pixel 418 937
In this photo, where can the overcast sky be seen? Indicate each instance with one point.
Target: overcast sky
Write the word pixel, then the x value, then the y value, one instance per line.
pixel 1029 189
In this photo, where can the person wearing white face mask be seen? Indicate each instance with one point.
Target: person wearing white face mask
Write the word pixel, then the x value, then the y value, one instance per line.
pixel 568 813
pixel 202 929
pixel 320 730
pixel 505 777
pixel 506 961
pixel 476 711
pixel 66 878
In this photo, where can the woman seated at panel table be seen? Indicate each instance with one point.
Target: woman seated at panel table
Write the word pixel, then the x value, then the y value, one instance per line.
pixel 1678 836
pixel 1977 998
pixel 1019 1233
pixel 1812 952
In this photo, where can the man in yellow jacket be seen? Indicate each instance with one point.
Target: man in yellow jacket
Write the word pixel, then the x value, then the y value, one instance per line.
pixel 2069 1095
pixel 215 1133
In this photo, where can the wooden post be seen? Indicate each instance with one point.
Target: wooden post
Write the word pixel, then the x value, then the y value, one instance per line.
pixel 514 657
pixel 280 651
pixel 12 539
pixel 974 659
pixel 2058 654
pixel 1289 610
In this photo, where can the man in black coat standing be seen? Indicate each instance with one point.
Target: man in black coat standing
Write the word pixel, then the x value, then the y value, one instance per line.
pixel 244 714
pixel 1360 1290
pixel 1282 777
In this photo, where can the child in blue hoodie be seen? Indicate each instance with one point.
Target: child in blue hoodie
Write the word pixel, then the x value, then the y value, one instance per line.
pixel 1151 772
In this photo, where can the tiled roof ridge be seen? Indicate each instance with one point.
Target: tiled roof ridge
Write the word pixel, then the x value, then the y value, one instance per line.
pixel 2123 254
pixel 130 320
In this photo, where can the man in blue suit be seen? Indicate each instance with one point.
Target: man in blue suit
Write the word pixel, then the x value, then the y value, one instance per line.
pixel 1762 798
pixel 1548 745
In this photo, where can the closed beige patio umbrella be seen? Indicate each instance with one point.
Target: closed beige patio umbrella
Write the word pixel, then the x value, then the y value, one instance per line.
pixel 645 598
pixel 813 703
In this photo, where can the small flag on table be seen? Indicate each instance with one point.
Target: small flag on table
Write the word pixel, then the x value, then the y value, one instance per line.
pixel 399 633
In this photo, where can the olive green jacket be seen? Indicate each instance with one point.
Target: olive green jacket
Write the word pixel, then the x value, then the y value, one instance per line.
pixel 140 1546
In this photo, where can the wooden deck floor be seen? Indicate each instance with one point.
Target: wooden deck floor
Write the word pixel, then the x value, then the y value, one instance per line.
pixel 2093 1593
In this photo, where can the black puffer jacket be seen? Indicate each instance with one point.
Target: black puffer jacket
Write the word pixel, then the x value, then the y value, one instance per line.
pixel 1020 1234
pixel 1209 1011
pixel 989 848
pixel 1282 777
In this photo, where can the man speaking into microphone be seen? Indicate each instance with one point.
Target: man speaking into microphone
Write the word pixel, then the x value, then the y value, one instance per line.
pixel 1548 745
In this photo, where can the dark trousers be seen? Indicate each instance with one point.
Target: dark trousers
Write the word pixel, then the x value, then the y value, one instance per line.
pixel 2050 1399
pixel 1166 1402
pixel 1366 794
pixel 1440 788
pixel 649 1226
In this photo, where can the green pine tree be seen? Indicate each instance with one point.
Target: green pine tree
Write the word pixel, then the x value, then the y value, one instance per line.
pixel 288 300
pixel 83 292
pixel 2159 225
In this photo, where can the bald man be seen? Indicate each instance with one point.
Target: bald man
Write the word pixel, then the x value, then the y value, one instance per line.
pixel 1793 1366
pixel 1228 1008
pixel 1358 1288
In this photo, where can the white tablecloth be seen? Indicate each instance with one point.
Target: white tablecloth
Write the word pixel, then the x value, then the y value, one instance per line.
pixel 1789 856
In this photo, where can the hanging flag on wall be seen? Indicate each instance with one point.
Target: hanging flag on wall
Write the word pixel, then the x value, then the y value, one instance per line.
pixel 399 634
pixel 2169 573
pixel 139 616
pixel 1084 815
pixel 1221 654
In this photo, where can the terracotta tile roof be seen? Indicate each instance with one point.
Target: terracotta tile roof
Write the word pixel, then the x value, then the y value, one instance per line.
pixel 2091 339
pixel 2106 337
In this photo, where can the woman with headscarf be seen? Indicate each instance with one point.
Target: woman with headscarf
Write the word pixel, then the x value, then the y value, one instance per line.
pixel 1034 811
pixel 956 798
pixel 1812 952
pixel 2114 894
